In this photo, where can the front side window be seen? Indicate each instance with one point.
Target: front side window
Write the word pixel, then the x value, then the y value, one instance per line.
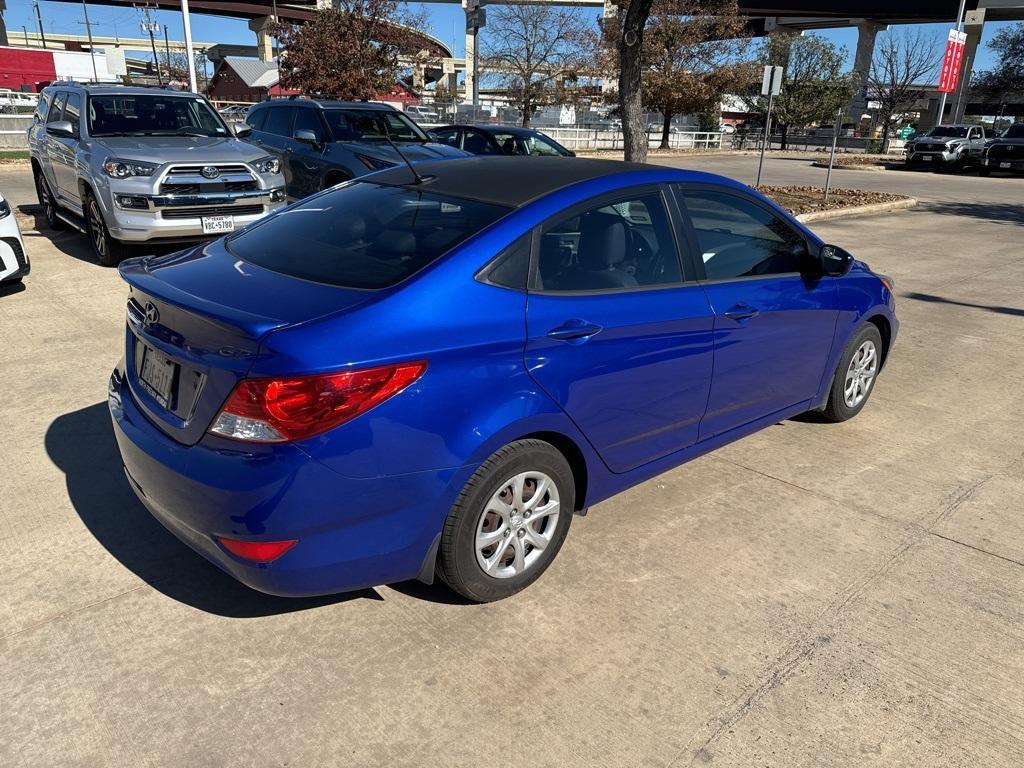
pixel 279 121
pixel 372 125
pixel 510 144
pixel 362 235
pixel 73 112
pixel 449 137
pixel 538 145
pixel 739 238
pixel 308 120
pixel 620 245
pixel 476 143
pixel 153 115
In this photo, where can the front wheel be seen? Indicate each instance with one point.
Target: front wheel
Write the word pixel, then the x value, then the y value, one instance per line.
pixel 108 251
pixel 509 522
pixel 983 170
pixel 855 375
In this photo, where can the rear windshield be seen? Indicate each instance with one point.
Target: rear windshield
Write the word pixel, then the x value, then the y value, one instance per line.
pixel 362 235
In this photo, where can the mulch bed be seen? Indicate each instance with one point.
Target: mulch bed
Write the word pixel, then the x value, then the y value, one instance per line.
pixel 806 199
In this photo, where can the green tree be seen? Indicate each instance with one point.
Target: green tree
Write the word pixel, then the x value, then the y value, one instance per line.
pixel 1006 80
pixel 814 86
pixel 348 52
pixel 693 56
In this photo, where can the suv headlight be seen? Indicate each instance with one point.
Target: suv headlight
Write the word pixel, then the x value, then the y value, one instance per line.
pixel 267 164
pixel 5 209
pixel 116 168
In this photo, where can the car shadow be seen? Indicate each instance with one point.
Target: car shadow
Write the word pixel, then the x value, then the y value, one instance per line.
pixel 82 445
pixel 9 289
pixel 932 299
pixel 1000 213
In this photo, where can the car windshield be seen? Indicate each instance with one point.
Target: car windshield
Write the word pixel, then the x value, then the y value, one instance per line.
pixel 372 125
pixel 949 131
pixel 362 235
pixel 158 114
pixel 1015 131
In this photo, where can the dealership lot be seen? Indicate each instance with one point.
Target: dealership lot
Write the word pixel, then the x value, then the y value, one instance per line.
pixel 816 594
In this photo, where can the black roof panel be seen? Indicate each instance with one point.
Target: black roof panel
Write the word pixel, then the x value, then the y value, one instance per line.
pixel 512 181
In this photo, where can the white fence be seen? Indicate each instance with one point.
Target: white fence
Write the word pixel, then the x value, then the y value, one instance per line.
pixel 14 131
pixel 595 138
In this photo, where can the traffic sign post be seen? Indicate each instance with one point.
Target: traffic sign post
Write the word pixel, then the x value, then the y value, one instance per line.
pixel 771 86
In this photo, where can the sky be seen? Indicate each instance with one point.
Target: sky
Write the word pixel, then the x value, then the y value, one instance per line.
pixel 446 22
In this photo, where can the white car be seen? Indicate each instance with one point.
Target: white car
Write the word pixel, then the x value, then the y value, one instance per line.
pixel 13 259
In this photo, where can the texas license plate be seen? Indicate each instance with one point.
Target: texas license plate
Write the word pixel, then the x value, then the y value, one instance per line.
pixel 1004 165
pixel 218 225
pixel 157 375
pixel 927 158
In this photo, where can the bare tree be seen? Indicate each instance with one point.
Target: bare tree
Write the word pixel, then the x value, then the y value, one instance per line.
pixel 693 56
pixel 534 50
pixel 902 63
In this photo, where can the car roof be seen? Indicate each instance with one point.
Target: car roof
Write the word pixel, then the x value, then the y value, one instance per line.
pixel 328 104
pixel 522 179
pixel 515 130
pixel 113 89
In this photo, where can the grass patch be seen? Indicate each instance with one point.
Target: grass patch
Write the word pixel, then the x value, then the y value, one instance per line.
pixel 804 199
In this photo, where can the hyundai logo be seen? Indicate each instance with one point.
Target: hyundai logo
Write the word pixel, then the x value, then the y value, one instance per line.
pixel 152 314
pixel 210 171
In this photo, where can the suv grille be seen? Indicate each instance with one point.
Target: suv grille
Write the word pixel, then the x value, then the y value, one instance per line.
pixel 1006 150
pixel 189 179
pixel 195 212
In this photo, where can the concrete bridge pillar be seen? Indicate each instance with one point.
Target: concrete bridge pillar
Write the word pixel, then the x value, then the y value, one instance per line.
pixel 867 31
pixel 3 25
pixel 974 23
pixel 263 27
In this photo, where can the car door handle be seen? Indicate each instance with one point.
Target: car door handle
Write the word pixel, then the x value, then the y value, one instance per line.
pixel 574 330
pixel 741 312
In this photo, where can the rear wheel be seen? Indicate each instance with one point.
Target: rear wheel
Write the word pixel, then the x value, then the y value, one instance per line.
pixel 46 199
pixel 108 251
pixel 855 375
pixel 509 522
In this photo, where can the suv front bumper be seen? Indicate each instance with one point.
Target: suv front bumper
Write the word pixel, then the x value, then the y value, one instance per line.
pixel 144 217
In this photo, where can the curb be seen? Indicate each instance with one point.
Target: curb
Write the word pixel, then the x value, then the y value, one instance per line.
pixel 861 167
pixel 859 210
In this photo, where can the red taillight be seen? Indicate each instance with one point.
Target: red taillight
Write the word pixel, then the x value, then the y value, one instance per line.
pixel 298 407
pixel 257 551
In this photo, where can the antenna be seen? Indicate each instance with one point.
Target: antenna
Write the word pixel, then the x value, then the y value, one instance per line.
pixel 415 173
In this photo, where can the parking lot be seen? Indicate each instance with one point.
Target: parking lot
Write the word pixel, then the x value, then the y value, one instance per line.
pixel 816 594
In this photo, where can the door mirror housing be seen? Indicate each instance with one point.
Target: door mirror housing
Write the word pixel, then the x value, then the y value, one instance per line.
pixel 61 128
pixel 242 130
pixel 835 262
pixel 307 136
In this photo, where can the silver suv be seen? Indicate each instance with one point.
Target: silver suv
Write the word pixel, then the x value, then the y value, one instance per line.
pixel 145 165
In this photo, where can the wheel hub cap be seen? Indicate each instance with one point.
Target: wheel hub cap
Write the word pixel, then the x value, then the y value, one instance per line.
pixel 517 524
pixel 860 374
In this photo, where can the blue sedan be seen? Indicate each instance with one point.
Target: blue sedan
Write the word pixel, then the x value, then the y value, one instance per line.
pixel 410 375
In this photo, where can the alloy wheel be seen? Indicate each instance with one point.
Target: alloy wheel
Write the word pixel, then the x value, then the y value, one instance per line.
pixel 860 374
pixel 517 524
pixel 97 229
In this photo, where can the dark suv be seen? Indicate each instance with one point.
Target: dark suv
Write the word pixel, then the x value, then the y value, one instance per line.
pixel 323 143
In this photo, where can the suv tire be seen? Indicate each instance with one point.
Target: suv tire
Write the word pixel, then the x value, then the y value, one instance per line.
pixel 49 203
pixel 108 251
pixel 487 518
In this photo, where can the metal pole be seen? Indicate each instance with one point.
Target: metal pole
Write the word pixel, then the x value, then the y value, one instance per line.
pixel 959 26
pixel 26 35
pixel 832 157
pixel 156 61
pixel 39 20
pixel 188 46
pixel 767 135
pixel 92 51
pixel 167 53
pixel 476 71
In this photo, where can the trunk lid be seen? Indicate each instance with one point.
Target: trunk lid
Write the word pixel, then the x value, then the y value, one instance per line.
pixel 197 317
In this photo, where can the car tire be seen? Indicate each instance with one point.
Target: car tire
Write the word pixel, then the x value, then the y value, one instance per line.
pixel 855 376
pixel 108 251
pixel 983 170
pixel 491 545
pixel 49 203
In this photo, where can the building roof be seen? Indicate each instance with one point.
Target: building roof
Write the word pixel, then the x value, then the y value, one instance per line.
pixel 522 179
pixel 253 72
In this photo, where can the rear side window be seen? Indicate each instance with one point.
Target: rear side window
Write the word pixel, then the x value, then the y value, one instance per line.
pixel 279 121
pixel 476 143
pixel 362 235
pixel 41 106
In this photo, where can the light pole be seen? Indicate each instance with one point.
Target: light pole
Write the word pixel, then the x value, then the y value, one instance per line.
pixel 39 20
pixel 188 46
pixel 92 51
pixel 959 26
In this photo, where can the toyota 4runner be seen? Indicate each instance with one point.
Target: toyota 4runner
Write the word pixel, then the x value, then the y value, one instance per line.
pixel 128 165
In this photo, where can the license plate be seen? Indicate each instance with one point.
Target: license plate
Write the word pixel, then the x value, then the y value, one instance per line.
pixel 927 158
pixel 218 225
pixel 157 375
pixel 1004 165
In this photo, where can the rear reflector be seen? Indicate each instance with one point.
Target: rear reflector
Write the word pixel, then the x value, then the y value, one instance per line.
pixel 257 551
pixel 300 407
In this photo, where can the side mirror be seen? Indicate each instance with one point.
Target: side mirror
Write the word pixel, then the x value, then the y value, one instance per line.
pixel 242 130
pixel 61 128
pixel 307 136
pixel 835 262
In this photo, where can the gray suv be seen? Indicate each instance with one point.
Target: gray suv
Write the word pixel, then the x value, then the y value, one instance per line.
pixel 131 165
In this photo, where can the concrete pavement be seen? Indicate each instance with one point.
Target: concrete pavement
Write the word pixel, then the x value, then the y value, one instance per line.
pixel 816 594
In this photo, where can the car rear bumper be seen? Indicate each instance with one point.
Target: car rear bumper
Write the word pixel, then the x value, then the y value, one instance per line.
pixel 351 533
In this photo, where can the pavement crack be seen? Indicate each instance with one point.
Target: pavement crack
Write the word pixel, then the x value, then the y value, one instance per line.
pixel 70 612
pixel 977 549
